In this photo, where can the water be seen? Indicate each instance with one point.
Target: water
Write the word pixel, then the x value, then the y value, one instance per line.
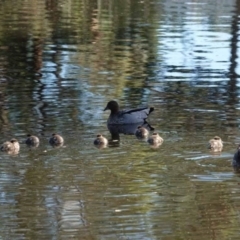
pixel 62 61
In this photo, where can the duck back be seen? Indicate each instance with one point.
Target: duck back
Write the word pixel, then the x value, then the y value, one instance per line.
pixel 138 115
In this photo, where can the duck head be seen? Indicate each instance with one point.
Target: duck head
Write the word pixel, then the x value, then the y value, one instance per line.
pixel 13 140
pixel 112 106
pixel 217 138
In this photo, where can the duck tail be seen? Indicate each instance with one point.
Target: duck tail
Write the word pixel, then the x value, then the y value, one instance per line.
pixel 151 128
pixel 151 110
pixel 147 125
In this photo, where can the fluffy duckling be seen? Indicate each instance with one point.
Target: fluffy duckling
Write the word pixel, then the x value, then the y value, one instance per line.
pixel 11 147
pixel 236 159
pixel 32 141
pixel 155 140
pixel 100 141
pixel 56 140
pixel 215 144
pixel 141 132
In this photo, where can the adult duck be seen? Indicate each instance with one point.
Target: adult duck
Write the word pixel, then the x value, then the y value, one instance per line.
pixel 236 160
pixel 141 132
pixel 136 115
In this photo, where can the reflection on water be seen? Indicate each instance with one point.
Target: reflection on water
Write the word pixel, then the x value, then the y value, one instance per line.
pixel 130 129
pixel 62 61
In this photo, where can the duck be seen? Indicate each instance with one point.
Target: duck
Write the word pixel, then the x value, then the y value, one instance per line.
pixel 141 132
pixel 100 141
pixel 11 147
pixel 56 140
pixel 117 116
pixel 215 144
pixel 236 159
pixel 32 140
pixel 155 140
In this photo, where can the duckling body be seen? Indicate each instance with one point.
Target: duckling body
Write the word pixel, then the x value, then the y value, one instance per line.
pixel 56 140
pixel 141 132
pixel 32 141
pixel 117 116
pixel 215 144
pixel 155 140
pixel 11 147
pixel 100 141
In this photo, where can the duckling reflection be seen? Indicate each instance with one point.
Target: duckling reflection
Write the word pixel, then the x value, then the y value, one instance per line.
pixel 32 141
pixel 129 129
pixel 100 141
pixel 236 160
pixel 215 144
pixel 155 140
pixel 141 132
pixel 56 140
pixel 11 147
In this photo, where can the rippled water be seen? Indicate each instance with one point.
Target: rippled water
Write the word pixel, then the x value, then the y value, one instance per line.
pixel 62 61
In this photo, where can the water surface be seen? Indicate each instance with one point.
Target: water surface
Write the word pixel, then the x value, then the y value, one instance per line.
pixel 61 62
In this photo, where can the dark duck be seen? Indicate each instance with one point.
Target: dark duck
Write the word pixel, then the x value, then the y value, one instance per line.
pixel 129 116
pixel 236 159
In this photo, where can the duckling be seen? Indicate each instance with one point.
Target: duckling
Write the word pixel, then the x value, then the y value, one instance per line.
pixel 56 140
pixel 155 140
pixel 11 147
pixel 215 144
pixel 100 141
pixel 32 141
pixel 236 160
pixel 141 132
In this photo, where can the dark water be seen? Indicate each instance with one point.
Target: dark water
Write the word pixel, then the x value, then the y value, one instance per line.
pixel 62 61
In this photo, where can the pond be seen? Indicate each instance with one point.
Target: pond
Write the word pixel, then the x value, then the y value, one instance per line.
pixel 60 64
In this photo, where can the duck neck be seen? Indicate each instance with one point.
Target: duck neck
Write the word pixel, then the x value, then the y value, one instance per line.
pixel 114 111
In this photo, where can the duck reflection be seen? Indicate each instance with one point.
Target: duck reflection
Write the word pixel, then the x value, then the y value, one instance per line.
pixel 128 129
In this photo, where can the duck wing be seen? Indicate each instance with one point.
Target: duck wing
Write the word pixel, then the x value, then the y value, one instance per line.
pixel 131 116
pixel 144 110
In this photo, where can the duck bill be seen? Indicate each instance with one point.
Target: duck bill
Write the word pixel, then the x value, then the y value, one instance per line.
pixel 106 108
